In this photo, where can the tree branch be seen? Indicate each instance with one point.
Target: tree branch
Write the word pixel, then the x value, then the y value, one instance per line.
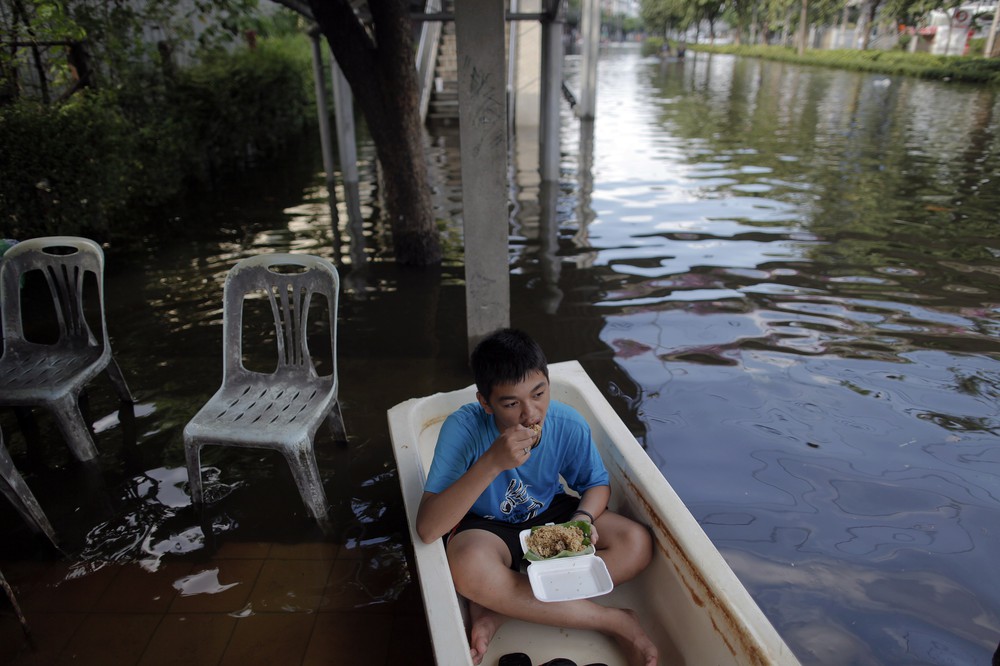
pixel 299 6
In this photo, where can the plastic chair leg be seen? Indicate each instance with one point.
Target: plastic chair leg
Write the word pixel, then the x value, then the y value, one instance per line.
pixel 302 461
pixel 20 495
pixel 75 430
pixel 118 379
pixel 192 452
pixel 13 602
pixel 336 420
pixel 17 491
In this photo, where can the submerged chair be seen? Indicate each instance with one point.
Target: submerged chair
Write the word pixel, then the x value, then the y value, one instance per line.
pixel 282 409
pixel 13 487
pixel 52 375
pixel 13 602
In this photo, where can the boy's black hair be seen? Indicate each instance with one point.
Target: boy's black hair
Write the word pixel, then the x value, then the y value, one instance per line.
pixel 505 356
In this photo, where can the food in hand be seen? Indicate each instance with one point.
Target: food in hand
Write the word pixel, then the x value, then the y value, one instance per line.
pixel 550 540
pixel 537 429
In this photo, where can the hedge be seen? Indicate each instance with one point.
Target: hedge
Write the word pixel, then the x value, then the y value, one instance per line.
pixel 924 65
pixel 88 165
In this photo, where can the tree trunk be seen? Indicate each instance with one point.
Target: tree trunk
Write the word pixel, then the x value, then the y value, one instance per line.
pixel 865 24
pixel 383 76
pixel 803 27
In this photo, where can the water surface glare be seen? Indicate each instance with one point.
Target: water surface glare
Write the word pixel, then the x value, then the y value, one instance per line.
pixel 785 279
pixel 798 271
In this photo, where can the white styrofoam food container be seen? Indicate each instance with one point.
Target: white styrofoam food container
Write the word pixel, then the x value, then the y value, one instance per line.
pixel 567 578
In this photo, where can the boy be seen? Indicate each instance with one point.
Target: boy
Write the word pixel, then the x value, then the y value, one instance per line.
pixel 492 476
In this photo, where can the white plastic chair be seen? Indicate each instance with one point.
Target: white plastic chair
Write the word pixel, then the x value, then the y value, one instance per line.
pixel 283 409
pixel 16 490
pixel 53 375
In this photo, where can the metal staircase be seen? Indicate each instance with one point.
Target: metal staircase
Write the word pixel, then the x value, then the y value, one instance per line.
pixel 443 106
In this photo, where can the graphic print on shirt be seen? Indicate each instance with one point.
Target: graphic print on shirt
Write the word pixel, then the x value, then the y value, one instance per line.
pixel 517 504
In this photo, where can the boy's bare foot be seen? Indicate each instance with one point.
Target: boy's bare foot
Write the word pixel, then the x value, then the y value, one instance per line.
pixel 637 646
pixel 484 626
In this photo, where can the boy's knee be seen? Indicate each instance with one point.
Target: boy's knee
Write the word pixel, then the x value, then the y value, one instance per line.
pixel 639 542
pixel 469 563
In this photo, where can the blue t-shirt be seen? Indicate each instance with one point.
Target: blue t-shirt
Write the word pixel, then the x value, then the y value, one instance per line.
pixel 521 493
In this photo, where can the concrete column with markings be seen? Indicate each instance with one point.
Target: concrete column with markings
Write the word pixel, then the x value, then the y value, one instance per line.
pixel 482 117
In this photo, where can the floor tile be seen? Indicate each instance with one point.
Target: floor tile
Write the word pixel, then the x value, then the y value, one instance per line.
pixel 190 638
pixel 243 550
pixel 50 632
pixel 345 591
pixel 67 587
pixel 305 551
pixel 270 638
pixel 136 590
pixel 225 587
pixel 411 642
pixel 349 638
pixel 290 585
pixel 110 638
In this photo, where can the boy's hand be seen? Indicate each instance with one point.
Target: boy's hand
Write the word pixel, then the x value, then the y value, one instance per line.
pixel 513 446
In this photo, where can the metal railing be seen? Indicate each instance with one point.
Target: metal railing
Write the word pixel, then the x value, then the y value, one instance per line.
pixel 430 39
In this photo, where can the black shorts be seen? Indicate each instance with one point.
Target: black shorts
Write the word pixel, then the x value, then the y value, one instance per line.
pixel 560 511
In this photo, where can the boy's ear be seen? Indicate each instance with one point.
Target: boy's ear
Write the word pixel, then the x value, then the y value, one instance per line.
pixel 482 401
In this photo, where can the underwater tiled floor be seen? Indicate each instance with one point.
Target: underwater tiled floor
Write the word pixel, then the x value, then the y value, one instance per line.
pixel 233 608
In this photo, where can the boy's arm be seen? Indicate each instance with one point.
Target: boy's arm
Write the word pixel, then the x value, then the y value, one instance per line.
pixel 439 512
pixel 595 502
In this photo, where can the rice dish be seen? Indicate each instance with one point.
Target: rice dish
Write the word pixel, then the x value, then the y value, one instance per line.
pixel 550 540
pixel 537 429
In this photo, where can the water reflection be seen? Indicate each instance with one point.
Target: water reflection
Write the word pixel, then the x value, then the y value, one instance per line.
pixel 798 272
pixel 783 278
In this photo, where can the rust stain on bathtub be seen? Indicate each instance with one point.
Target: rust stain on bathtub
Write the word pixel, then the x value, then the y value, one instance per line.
pixel 689 573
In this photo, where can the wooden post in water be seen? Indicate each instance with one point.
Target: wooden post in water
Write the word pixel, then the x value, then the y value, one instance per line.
pixel 482 117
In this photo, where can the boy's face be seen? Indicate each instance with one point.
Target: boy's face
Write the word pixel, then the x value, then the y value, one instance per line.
pixel 524 403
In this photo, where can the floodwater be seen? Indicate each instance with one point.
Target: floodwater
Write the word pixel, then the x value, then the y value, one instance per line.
pixel 785 279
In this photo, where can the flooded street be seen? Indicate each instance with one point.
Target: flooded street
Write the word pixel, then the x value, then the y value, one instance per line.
pixel 785 279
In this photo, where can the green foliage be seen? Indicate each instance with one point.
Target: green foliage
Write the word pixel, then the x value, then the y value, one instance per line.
pixel 116 37
pixel 651 46
pixel 236 107
pixel 923 65
pixel 63 167
pixel 87 165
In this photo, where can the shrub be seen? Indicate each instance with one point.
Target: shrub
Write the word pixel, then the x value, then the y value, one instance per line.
pixel 88 165
pixel 651 46
pixel 236 108
pixel 64 168
pixel 924 65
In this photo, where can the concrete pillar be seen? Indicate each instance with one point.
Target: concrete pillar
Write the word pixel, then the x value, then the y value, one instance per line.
pixel 343 106
pixel 319 79
pixel 527 79
pixel 552 60
pixel 590 19
pixel 482 117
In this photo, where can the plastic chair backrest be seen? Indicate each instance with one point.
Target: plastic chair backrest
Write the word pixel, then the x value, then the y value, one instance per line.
pixel 65 262
pixel 289 294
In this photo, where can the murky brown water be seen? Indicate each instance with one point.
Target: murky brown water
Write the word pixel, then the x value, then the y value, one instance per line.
pixel 784 278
